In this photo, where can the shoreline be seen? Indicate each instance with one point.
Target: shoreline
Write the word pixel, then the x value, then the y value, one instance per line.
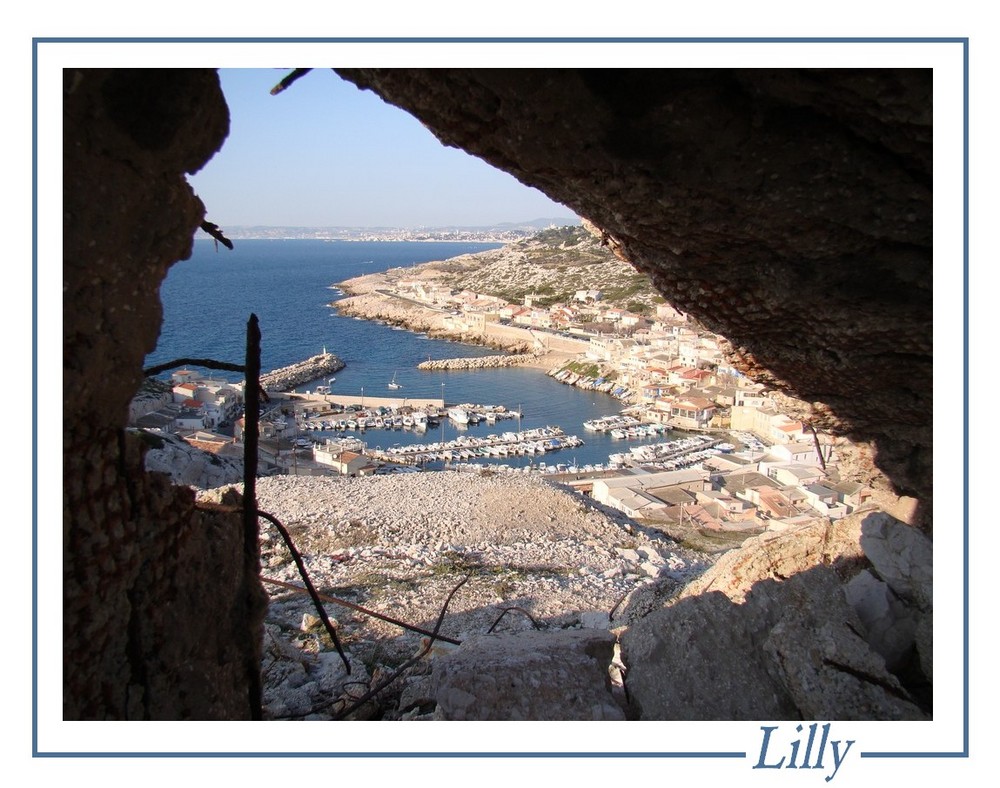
pixel 370 304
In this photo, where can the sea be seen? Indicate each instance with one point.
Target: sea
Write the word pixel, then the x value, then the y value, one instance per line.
pixel 291 285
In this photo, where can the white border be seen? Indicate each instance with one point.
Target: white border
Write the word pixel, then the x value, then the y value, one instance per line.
pixel 943 734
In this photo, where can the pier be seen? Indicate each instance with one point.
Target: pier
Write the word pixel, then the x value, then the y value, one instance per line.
pixel 509 444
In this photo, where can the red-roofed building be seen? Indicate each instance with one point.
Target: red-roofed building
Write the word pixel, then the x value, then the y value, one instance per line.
pixel 184 391
pixel 692 412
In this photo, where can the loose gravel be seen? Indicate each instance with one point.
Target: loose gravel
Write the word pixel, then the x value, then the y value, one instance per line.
pixel 398 544
pixel 531 553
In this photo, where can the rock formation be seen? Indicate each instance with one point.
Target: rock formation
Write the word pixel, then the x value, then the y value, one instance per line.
pixel 132 542
pixel 777 630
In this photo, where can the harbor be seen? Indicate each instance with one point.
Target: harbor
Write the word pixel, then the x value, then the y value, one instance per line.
pixel 375 381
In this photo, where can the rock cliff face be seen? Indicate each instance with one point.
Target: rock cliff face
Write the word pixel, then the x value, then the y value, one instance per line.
pixel 787 210
pixel 790 634
pixel 132 542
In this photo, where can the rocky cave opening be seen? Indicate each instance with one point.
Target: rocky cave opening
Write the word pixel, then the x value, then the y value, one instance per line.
pixel 787 210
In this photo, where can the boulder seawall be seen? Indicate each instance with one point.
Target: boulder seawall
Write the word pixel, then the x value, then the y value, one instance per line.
pixel 314 367
pixel 483 362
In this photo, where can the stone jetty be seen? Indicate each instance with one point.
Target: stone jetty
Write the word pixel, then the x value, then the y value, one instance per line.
pixel 312 368
pixel 483 362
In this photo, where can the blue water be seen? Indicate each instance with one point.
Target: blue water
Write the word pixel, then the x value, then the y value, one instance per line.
pixel 208 299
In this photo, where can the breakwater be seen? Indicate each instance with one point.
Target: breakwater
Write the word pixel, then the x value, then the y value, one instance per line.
pixel 313 368
pixel 483 362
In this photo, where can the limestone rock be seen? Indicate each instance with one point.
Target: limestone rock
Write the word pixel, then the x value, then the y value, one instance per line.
pixel 781 554
pixel 902 556
pixel 828 670
pixel 700 659
pixel 595 619
pixel 771 630
pixel 559 675
pixel 890 626
pixel 790 650
pixel 188 465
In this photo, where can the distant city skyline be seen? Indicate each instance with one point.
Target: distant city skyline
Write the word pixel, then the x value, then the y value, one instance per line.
pixel 325 154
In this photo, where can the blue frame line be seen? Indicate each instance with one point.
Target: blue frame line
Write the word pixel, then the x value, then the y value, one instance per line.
pixel 509 40
pixel 590 755
pixel 964 41
pixel 34 399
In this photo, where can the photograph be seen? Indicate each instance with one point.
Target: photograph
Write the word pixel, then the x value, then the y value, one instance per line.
pixel 443 383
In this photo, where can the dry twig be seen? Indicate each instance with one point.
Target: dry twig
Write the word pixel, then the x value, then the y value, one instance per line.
pixel 509 609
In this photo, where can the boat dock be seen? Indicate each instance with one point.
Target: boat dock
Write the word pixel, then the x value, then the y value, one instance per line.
pixel 509 444
pixel 671 455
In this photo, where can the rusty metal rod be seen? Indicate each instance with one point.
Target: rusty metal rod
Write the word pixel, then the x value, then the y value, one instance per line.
pixel 819 450
pixel 251 534
pixel 208 363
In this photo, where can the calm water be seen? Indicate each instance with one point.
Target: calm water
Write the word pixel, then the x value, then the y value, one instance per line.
pixel 208 299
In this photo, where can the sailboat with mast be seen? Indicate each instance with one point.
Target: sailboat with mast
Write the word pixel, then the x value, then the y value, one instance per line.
pixel 393 384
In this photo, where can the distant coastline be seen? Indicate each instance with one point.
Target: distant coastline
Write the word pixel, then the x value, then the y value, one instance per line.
pixel 500 233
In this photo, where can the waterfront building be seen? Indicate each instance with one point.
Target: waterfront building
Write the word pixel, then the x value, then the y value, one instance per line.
pixel 692 412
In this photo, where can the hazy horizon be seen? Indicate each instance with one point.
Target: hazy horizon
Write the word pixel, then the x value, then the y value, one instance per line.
pixel 324 153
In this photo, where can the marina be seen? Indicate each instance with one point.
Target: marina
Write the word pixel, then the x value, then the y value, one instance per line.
pixel 465 448
pixel 671 455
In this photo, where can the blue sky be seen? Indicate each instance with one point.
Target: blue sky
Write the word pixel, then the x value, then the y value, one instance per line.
pixel 324 152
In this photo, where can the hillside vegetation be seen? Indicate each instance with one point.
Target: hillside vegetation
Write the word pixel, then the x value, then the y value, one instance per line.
pixel 554 265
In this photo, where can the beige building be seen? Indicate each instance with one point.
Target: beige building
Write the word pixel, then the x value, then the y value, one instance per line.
pixel 344 461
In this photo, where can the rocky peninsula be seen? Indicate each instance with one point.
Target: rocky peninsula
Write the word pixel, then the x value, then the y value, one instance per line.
pixel 551 266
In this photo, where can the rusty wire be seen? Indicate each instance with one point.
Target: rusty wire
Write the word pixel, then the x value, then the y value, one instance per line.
pixel 381 616
pixel 347 711
pixel 216 507
pixel 208 363
pixel 331 630
pixel 357 703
